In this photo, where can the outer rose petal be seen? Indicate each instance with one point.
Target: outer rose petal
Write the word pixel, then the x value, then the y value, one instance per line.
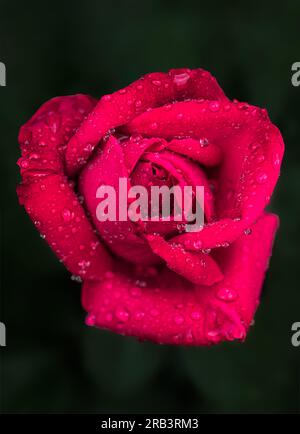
pixel 46 193
pixel 171 311
pixel 117 109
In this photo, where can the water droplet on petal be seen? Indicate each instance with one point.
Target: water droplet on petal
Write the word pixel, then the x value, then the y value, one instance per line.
pixel 196 315
pixel 262 178
pixel 122 314
pixel 139 315
pixel 76 278
pixel 203 142
pixel 90 320
pixel 67 215
pixel 276 161
pixel 24 164
pixel 214 106
pixel 226 294
pixel 197 244
pixel 189 338
pixel 181 79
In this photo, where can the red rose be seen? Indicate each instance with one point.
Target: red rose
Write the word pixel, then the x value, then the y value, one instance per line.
pixel 154 280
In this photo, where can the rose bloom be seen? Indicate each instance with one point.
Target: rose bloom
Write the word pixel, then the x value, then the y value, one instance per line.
pixel 155 280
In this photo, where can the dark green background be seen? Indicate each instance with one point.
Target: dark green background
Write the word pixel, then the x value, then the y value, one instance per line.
pixel 52 361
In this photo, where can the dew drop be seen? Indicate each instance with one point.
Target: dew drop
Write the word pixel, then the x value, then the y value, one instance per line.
pixel 195 315
pixel 121 314
pixel 189 338
pixel 139 315
pixel 262 178
pixel 90 320
pixel 226 294
pixel 181 79
pixel 203 142
pixel 276 161
pixel 197 244
pixel 214 106
pixel 24 164
pixel 76 278
pixel 67 215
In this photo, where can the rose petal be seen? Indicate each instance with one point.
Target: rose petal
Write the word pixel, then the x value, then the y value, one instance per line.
pixel 199 268
pixel 117 109
pixel 121 236
pixel 252 149
pixel 201 150
pixel 168 310
pixel 46 193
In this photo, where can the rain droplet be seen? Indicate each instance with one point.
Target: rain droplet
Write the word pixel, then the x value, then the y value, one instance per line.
pixel 262 178
pixel 197 244
pixel 139 315
pixel 76 278
pixel 214 106
pixel 276 161
pixel 203 142
pixel 90 320
pixel 226 294
pixel 122 314
pixel 67 215
pixel 181 79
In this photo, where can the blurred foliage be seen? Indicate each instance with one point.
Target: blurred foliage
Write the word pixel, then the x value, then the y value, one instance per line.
pixel 53 362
